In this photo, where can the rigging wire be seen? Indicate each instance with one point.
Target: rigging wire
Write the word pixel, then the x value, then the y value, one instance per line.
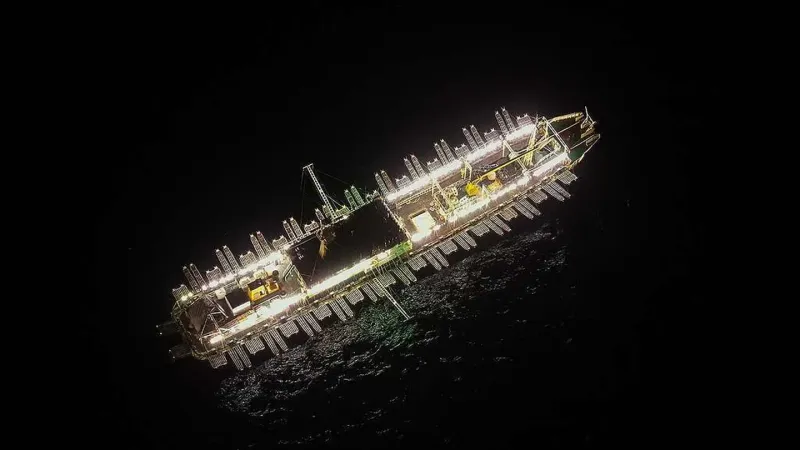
pixel 302 197
pixel 331 176
pixel 336 202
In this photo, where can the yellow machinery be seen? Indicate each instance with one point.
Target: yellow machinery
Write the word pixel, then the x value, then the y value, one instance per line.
pixel 256 292
pixel 524 159
pixel 473 188
pixel 259 288
pixel 538 140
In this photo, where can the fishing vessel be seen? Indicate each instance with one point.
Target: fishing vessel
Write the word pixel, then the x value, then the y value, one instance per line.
pixel 358 251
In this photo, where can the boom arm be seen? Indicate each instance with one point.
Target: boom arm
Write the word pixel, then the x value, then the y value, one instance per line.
pixel 320 191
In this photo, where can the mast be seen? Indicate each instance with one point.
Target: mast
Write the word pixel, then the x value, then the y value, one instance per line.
pixel 320 191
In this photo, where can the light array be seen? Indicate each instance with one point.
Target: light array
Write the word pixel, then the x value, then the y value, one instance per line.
pixel 550 164
pixel 277 306
pixel 454 165
pixel 421 182
pixel 522 181
pixel 268 263
pixel 360 266
pixel 468 209
pixel 420 235
pixel 262 313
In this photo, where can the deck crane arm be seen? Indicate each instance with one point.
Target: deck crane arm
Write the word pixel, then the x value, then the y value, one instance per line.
pixel 320 191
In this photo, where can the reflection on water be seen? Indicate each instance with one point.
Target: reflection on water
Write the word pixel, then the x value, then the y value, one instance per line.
pixel 476 316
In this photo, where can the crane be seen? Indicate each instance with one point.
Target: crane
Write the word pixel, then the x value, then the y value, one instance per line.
pixel 320 191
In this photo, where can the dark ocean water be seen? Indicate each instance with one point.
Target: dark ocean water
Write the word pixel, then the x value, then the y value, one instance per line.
pixel 558 335
pixel 581 329
pixel 477 326
pixel 529 339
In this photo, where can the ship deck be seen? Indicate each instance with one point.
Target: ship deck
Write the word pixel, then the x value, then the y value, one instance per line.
pixel 423 199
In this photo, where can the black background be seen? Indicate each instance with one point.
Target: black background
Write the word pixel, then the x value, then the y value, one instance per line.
pixel 207 118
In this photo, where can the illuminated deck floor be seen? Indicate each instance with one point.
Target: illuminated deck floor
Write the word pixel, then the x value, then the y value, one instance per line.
pixel 422 200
